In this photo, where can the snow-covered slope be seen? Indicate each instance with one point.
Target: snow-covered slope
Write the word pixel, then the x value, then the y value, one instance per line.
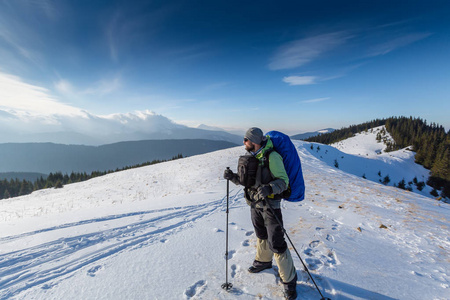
pixel 158 232
pixel 365 143
pixel 362 155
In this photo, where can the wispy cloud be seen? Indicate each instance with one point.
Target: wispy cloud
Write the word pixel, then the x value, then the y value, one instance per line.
pixel 27 109
pixel 11 39
pixel 190 53
pixel 47 7
pixel 315 100
pixel 300 52
pixel 64 87
pixel 131 25
pixel 19 36
pixel 112 37
pixel 395 43
pixel 213 87
pixel 300 80
pixel 17 95
pixel 104 87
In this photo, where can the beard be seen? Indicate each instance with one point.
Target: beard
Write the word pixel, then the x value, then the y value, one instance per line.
pixel 250 148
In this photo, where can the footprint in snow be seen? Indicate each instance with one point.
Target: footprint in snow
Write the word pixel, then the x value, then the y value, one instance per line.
pixel 246 243
pixel 419 274
pixel 91 272
pixel 249 233
pixel 48 286
pixel 330 238
pixel 234 268
pixel 332 259
pixel 195 290
pixel 314 263
pixel 314 244
pixel 309 251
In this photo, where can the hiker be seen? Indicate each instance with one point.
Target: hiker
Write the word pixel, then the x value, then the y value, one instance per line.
pixel 271 181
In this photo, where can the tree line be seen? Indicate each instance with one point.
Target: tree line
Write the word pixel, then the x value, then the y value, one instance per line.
pixel 430 142
pixel 345 133
pixel 15 187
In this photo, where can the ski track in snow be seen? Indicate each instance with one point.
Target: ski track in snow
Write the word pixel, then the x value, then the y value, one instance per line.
pixel 21 270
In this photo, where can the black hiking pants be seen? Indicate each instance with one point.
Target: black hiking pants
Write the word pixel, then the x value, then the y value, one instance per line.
pixel 267 228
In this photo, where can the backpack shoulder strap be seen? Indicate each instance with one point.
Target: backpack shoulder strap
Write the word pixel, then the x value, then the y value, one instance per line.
pixel 266 157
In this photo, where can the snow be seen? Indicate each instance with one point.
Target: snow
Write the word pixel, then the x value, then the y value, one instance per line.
pixel 362 155
pixel 158 232
pixel 365 143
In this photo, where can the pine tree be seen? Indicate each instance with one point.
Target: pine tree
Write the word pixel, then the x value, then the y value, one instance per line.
pixel 58 184
pixel 441 167
pixel 402 184
pixel 336 164
pixel 48 184
pixel 25 188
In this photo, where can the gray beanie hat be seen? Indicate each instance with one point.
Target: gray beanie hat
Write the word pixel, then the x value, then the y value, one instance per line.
pixel 255 135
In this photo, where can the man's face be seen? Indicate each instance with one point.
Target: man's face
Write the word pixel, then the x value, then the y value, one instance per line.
pixel 249 146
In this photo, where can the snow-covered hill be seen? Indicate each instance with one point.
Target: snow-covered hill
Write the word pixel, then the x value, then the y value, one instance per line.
pixel 366 143
pixel 158 232
pixel 364 156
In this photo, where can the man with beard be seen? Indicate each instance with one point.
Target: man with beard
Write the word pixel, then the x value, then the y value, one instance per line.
pixel 271 181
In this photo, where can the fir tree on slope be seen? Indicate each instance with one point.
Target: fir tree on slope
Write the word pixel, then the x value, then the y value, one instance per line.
pixel 430 142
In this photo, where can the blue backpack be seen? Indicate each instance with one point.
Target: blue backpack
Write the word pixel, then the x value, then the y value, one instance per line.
pixel 284 146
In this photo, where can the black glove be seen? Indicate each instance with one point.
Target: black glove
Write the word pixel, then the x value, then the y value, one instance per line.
pixel 264 191
pixel 228 174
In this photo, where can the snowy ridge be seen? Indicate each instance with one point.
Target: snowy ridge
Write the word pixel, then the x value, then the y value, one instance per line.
pixel 363 156
pixel 365 143
pixel 158 232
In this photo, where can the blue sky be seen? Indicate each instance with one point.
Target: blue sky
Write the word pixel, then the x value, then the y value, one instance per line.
pixel 294 66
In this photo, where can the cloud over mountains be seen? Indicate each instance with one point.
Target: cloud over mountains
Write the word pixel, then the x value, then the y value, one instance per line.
pixel 89 129
pixel 29 113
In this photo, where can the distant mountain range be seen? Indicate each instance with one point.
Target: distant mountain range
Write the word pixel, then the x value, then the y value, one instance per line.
pixel 303 136
pixel 49 157
pixel 88 129
pixel 75 138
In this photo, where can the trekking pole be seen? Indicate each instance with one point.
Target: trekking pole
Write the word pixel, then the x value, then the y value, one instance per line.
pixel 304 265
pixel 227 285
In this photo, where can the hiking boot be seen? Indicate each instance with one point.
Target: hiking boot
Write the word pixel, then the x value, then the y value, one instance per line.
pixel 259 266
pixel 290 289
pixel 290 295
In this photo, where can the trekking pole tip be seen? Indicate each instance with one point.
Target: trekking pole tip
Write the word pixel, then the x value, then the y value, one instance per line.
pixel 227 286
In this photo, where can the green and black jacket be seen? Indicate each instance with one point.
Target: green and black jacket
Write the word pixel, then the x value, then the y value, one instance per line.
pixel 272 173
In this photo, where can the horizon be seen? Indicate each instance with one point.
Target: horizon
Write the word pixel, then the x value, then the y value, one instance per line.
pixel 290 66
